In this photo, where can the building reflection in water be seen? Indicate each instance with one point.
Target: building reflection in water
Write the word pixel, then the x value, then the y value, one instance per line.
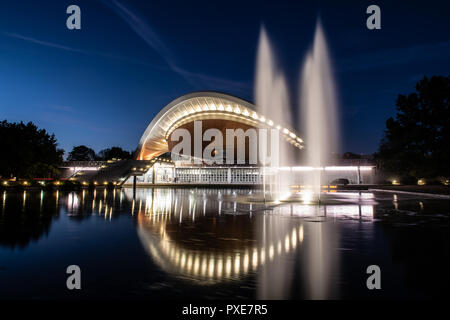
pixel 220 244
pixel 207 236
pixel 210 236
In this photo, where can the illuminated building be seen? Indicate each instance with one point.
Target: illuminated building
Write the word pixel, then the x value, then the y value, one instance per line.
pixel 153 163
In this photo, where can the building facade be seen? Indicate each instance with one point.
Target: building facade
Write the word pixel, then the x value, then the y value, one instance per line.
pixel 199 114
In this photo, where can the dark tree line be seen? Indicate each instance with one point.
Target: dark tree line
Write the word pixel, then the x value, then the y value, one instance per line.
pixel 83 153
pixel 28 151
pixel 416 143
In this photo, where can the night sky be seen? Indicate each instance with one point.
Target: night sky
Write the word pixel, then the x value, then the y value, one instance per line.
pixel 101 85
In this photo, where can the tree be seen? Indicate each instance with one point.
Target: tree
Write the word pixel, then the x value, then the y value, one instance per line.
pixel 27 151
pixel 416 143
pixel 114 152
pixel 81 153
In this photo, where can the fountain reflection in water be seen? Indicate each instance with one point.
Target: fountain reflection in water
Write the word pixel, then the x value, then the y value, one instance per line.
pixel 285 253
pixel 319 118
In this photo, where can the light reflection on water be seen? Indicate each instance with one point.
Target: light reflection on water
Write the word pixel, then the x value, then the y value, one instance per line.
pixel 209 241
pixel 271 249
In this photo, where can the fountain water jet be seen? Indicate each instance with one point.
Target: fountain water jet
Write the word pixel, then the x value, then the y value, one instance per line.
pixel 318 116
pixel 271 97
pixel 319 109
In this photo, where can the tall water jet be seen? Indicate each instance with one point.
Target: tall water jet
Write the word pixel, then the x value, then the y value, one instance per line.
pixel 319 109
pixel 271 98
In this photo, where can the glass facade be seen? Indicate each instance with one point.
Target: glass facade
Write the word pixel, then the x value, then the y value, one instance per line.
pixel 246 175
pixel 164 173
pixel 218 175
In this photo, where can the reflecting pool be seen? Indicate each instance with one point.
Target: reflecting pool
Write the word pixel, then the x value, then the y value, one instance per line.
pixel 168 243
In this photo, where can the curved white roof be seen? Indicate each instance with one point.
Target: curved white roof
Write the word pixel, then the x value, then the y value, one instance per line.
pixel 200 106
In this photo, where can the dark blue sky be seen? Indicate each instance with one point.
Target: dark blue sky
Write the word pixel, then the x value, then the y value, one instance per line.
pixel 101 85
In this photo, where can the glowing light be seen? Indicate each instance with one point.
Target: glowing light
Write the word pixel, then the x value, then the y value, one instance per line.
pixel 237 110
pixel 270 123
pixel 228 267
pixel 237 264
pixel 196 264
pixel 246 262
pixel 262 119
pixel 300 233
pixel 341 168
pixel 285 131
pixel 294 238
pixel 204 266
pixel 255 116
pixel 286 244
pixel 333 168
pixel 219 268
pixel 307 197
pixel 229 109
pixel 255 259
pixel 285 196
pixel 271 253
pixel 211 267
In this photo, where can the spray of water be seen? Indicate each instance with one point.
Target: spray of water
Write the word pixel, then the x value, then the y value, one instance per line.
pixel 318 116
pixel 319 108
pixel 271 97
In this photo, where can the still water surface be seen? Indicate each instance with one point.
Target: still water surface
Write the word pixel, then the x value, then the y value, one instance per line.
pixel 172 243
